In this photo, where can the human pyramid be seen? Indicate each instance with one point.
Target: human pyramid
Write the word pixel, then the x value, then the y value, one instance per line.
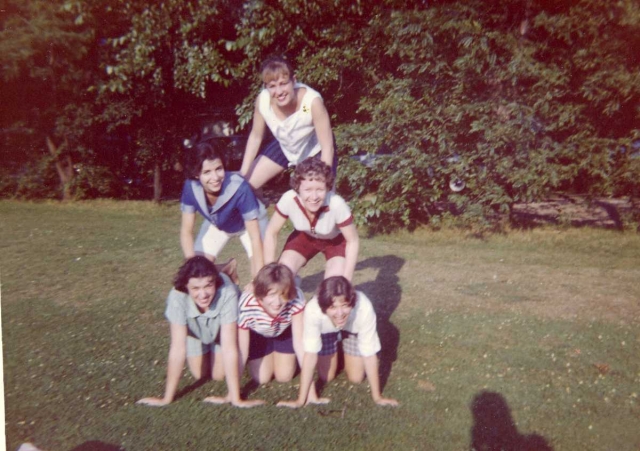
pixel 270 326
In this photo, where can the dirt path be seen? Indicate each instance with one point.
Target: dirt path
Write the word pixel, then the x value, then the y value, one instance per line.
pixel 577 211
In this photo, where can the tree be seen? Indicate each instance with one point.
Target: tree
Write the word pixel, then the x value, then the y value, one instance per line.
pixel 169 63
pixel 44 47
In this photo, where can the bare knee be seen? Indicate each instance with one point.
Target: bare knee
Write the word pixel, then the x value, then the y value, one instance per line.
pixel 355 378
pixel 261 379
pixel 284 376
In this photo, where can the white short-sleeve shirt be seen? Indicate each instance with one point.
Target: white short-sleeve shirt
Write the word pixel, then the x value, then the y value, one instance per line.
pixel 296 134
pixel 334 214
pixel 361 322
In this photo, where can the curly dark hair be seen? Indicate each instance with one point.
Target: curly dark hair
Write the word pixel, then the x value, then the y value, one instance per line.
pixel 197 266
pixel 274 274
pixel 205 150
pixel 313 169
pixel 331 288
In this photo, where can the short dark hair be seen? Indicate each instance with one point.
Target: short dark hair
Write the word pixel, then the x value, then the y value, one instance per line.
pixel 205 150
pixel 312 168
pixel 197 266
pixel 331 288
pixel 274 274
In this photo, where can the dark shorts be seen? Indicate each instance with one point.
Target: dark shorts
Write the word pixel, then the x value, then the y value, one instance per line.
pixel 309 247
pixel 330 343
pixel 260 346
pixel 273 152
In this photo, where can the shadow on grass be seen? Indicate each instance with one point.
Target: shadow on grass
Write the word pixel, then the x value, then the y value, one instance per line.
pixel 191 387
pixel 95 445
pixel 385 294
pixel 495 430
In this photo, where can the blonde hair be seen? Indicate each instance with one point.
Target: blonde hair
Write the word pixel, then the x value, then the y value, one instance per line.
pixel 274 67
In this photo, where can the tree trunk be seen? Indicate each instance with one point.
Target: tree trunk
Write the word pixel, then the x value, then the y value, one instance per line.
pixel 157 182
pixel 64 166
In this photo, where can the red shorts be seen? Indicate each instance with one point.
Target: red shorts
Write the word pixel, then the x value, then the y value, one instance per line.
pixel 309 247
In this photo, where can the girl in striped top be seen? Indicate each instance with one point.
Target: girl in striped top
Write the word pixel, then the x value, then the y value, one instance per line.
pixel 270 326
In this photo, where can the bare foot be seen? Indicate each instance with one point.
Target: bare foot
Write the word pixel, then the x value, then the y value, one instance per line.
pixel 230 268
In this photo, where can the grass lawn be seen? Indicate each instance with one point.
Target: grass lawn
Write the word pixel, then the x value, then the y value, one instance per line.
pixel 529 340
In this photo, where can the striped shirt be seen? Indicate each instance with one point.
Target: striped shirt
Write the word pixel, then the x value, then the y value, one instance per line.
pixel 252 316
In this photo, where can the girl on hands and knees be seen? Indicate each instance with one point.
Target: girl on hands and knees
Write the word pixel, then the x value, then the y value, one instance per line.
pixel 270 327
pixel 202 310
pixel 339 313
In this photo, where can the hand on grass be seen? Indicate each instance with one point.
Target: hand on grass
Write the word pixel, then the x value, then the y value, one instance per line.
pixel 155 402
pixel 316 400
pixel 239 403
pixel 386 402
pixel 290 404
pixel 217 399
pixel 248 403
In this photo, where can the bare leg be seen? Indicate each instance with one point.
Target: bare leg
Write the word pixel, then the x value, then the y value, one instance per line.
pixel 327 367
pixel 334 267
pixel 293 260
pixel 354 367
pixel 261 370
pixel 230 268
pixel 198 365
pixel 285 366
pixel 262 170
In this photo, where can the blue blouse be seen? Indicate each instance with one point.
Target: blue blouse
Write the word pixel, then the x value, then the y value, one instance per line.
pixel 235 205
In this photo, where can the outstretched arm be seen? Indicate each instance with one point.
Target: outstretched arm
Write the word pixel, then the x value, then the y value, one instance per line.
pixel 306 379
pixel 296 331
pixel 371 370
pixel 322 124
pixel 243 348
pixel 186 234
pixel 254 141
pixel 175 364
pixel 276 223
pixel 257 259
pixel 351 252
pixel 229 345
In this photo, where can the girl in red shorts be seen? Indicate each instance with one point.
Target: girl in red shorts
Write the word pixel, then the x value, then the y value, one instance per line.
pixel 322 221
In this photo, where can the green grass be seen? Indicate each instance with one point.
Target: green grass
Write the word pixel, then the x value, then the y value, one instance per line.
pixel 546 322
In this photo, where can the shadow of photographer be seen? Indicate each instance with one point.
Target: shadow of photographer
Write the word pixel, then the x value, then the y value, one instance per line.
pixel 495 430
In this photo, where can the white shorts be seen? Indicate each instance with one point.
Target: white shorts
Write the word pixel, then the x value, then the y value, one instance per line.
pixel 211 240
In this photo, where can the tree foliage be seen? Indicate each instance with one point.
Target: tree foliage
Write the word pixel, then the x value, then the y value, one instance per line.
pixel 514 98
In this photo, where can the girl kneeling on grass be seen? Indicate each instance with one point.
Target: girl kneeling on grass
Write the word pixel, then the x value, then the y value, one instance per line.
pixel 340 313
pixel 322 221
pixel 270 326
pixel 202 310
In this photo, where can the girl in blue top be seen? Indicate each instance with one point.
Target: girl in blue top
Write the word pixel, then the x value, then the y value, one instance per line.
pixel 227 203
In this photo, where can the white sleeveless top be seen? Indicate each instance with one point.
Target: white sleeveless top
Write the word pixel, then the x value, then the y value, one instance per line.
pixel 296 134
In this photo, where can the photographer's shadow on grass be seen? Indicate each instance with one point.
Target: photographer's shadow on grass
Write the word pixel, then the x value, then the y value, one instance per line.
pixel 385 294
pixel 495 430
